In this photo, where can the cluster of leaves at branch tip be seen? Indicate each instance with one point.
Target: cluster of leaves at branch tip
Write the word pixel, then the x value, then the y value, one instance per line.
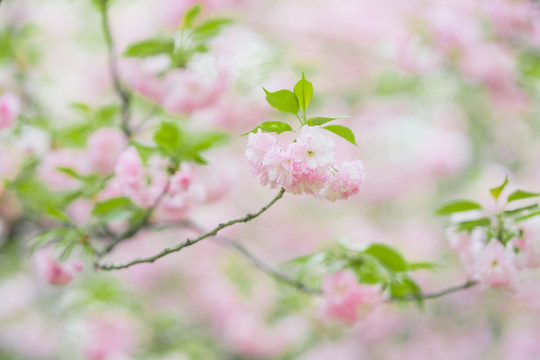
pixel 293 102
pixel 192 37
pixel 377 264
pixel 504 223
pixel 179 144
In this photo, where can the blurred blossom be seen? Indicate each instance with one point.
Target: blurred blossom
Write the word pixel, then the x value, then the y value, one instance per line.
pixel 10 107
pixel 53 272
pixel 104 147
pixel 110 337
pixel 345 300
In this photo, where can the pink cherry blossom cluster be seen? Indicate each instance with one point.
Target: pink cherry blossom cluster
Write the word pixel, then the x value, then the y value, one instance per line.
pixel 306 165
pixel 493 263
pixel 345 300
pixel 10 107
pixel 151 186
pixel 53 272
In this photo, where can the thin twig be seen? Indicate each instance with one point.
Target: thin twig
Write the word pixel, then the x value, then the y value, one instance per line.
pixel 190 242
pixel 269 270
pixel 277 275
pixel 436 295
pixel 123 93
pixel 148 116
pixel 134 230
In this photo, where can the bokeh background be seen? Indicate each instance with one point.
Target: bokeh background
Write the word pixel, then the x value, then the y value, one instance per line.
pixel 442 97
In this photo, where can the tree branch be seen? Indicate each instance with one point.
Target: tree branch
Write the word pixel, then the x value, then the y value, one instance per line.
pixel 190 242
pixel 436 295
pixel 135 229
pixel 270 271
pixel 123 93
pixel 277 275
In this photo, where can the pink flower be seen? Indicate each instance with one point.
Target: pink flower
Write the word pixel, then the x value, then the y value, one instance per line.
pixel 181 180
pixel 346 182
pixel 104 147
pixel 304 166
pixel 129 168
pixel 494 265
pixel 142 185
pixel 54 178
pixel 187 91
pixel 10 107
pixel 54 272
pixel 489 64
pixel 313 149
pixel 111 337
pixel 345 298
pixel 259 144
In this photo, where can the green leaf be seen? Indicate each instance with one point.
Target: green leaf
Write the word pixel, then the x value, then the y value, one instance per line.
pixel 304 264
pixel 521 194
pixel 423 266
pixel 57 214
pixel 167 138
pixel 47 236
pixel 496 191
pixel 283 100
pixel 458 206
pixel 520 210
pixel 342 131
pixel 209 28
pixel 150 47
pixel 471 224
pixel 368 269
pixel 388 256
pixel 528 216
pixel 70 172
pixel 114 208
pixel 303 91
pixel 406 288
pixel 206 140
pixel 271 126
pixel 323 120
pixel 145 151
pixel 190 15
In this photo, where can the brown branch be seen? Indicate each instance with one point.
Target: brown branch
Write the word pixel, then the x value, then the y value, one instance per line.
pixel 123 93
pixel 435 295
pixel 134 230
pixel 190 242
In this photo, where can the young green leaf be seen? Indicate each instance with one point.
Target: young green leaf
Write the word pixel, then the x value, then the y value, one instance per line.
pixel 112 204
pixel 423 266
pixel 209 29
pixel 190 15
pixel 496 191
pixel 406 288
pixel 527 216
pixel 271 126
pixel 283 100
pixel 520 210
pixel 323 120
pixel 469 225
pixel 388 256
pixel 150 47
pixel 458 206
pixel 167 137
pixel 303 91
pixel 521 194
pixel 57 214
pixel 342 131
pixel 115 209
